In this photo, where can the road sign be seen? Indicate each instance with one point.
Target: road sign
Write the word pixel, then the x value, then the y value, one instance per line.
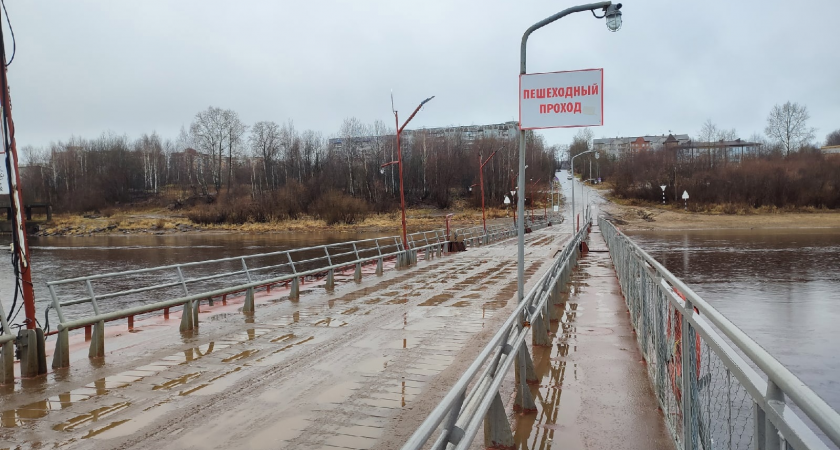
pixel 507 200
pixel 685 195
pixel 561 99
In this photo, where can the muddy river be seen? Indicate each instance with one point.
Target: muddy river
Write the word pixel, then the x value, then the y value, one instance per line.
pixel 782 287
pixel 56 258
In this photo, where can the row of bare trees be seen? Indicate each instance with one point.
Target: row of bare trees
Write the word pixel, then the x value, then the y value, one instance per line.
pixel 272 171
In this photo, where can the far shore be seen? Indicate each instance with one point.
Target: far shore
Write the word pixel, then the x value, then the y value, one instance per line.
pixel 163 222
pixel 658 218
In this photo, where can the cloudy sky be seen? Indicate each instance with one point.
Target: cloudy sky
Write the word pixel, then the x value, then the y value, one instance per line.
pixel 84 67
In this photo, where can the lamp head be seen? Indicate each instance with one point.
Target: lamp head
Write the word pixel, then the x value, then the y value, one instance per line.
pixel 613 16
pixel 597 155
pixel 382 170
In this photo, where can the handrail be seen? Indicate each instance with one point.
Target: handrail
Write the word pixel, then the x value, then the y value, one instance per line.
pixel 466 412
pixel 779 377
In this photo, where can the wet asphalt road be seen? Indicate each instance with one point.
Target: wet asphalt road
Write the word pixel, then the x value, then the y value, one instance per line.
pixel 358 368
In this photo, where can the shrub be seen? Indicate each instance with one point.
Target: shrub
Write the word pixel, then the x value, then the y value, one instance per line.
pixel 335 207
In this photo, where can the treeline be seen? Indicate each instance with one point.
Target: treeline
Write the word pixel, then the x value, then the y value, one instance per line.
pixel 223 170
pixel 807 179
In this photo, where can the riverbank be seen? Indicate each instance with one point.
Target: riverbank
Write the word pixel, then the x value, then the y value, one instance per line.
pixel 652 217
pixel 162 221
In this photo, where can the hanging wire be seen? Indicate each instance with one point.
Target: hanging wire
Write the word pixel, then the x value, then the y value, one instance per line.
pixel 12 31
pixel 7 146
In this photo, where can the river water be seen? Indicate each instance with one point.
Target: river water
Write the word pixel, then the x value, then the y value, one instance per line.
pixel 58 257
pixel 782 287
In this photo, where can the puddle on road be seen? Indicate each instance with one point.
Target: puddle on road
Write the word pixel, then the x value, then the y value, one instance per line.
pixel 130 426
pixel 329 322
pixel 241 355
pixel 183 379
pixel 436 300
pixel 92 416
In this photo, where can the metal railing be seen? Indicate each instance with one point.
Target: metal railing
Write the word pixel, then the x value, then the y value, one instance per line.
pixel 730 404
pixel 214 278
pixel 459 417
pixel 475 236
pixel 5 334
pixel 79 304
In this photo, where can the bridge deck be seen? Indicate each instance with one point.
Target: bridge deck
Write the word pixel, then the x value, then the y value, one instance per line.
pixel 593 391
pixel 358 368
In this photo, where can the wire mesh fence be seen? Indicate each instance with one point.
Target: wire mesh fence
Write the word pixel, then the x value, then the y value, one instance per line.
pixel 710 395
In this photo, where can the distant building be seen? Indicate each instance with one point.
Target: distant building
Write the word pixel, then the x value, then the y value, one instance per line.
pixel 730 151
pixel 617 146
pixel 468 133
pixel 686 149
pixel 831 150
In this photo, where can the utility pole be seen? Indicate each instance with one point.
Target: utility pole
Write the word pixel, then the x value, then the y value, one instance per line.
pixel 30 341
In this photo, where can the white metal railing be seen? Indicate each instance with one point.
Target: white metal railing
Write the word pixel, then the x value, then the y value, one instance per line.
pixel 459 417
pixel 730 404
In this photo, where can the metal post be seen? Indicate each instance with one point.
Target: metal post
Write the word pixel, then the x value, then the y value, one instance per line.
pixel 400 165
pixel 16 204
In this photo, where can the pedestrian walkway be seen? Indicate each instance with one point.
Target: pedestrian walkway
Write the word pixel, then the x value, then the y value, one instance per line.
pixel 593 391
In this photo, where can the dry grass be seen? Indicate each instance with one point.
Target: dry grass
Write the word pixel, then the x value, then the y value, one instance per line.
pixel 157 220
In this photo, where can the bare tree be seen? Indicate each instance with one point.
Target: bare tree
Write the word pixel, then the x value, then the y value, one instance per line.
pixel 265 144
pixel 209 134
pixel 234 130
pixel 833 138
pixel 787 125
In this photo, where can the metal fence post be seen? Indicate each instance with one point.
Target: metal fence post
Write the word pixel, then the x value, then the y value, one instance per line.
pixel 187 317
pixel 497 432
pixel 357 274
pixel 7 362
pixel 249 301
pixel 689 380
pixel 330 283
pixel 97 340
pixel 774 395
pixel 294 290
pixel 379 266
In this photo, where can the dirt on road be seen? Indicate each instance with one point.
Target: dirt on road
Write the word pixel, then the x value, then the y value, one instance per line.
pixel 357 368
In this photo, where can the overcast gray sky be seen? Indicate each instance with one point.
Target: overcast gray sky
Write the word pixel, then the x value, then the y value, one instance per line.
pixel 84 67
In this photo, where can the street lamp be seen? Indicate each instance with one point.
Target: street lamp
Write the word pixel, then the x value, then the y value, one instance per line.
pixel 574 218
pixel 613 23
pixel 481 181
pixel 399 161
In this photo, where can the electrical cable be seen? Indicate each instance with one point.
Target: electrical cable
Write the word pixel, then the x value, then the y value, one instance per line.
pixel 7 147
pixel 593 13
pixel 12 31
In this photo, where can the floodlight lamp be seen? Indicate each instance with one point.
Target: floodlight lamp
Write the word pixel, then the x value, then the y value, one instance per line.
pixel 613 16
pixel 382 170
pixel 597 155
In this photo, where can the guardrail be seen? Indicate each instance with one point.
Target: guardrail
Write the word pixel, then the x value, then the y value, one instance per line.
pixel 474 401
pixel 475 236
pixel 217 279
pixel 731 405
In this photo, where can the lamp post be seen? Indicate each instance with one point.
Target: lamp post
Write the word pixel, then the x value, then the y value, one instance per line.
pixel 574 219
pixel 613 14
pixel 481 181
pixel 399 161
